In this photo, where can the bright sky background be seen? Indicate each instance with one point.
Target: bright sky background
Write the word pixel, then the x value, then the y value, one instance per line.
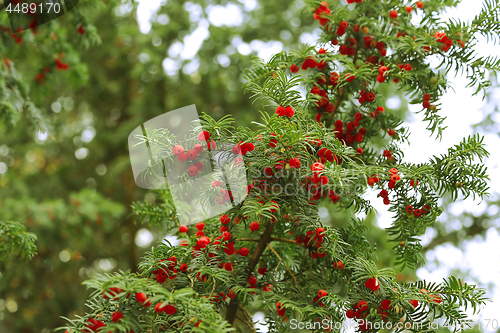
pixel 460 108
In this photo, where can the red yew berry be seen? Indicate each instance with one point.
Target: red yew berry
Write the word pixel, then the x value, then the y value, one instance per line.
pixel 262 270
pixel 200 234
pixel 294 68
pixel 183 229
pixel 170 309
pixel 269 171
pixel 193 171
pixel 244 251
pixel 412 183
pixel 427 97
pixel 254 226
pixel 159 308
pixel 338 265
pixel 224 219
pixel 393 14
pixel 387 153
pixel 322 293
pixel 192 154
pixel 229 248
pixel 409 209
pixel 273 143
pixel 320 231
pixel 417 212
pixel 317 167
pixel 178 150
pixel 420 4
pixel 359 151
pixel 228 267
pixel 203 242
pixel 386 304
pixel 386 201
pixel 183 267
pixel 204 136
pixel 294 163
pixel 350 313
pixel 141 297
pixel 321 51
pixel 384 193
pixel 81 30
pixel 363 305
pixel 350 77
pixel 372 284
pixel 182 157
pixel 267 287
pixel 414 302
pixel 226 236
pixel 252 280
pixel 394 171
pixel 116 316
pixel 426 104
pixel 280 111
pixel 289 111
pixel 409 9
pixel 200 226
pixel 223 228
pixel 391 132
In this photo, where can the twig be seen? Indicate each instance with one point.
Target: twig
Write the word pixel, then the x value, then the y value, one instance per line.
pixel 244 321
pixel 288 269
pixel 249 317
pixel 265 238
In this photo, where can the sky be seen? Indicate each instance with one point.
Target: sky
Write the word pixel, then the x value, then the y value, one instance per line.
pixel 459 106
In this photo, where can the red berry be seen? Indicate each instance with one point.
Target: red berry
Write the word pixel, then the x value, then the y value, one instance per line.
pixel 414 302
pixel 280 111
pixel 350 313
pixel 294 68
pixel 231 294
pixel 203 242
pixel 409 209
pixel 362 305
pixel 262 270
pixel 200 226
pixel 244 251
pixel 204 136
pixel 116 316
pixel 198 148
pixel 178 150
pixel 393 14
pixel 409 9
pixel 192 154
pixel 322 293
pixel 338 265
pixel 169 309
pixel 391 132
pixel 322 51
pixel 182 157
pixel 159 308
pixel 81 30
pixel 417 212
pixel 193 171
pixel 183 228
pixel 140 297
pixel 183 267
pixel 372 284
pixel 289 112
pixel 420 4
pixel 228 267
pixel 386 304
pixel 224 219
pixel 254 226
pixel 252 280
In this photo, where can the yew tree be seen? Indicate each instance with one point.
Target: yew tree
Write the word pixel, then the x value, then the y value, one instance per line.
pixel 270 251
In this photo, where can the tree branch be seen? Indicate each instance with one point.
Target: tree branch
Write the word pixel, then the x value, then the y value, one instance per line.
pixel 281 260
pixel 265 238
